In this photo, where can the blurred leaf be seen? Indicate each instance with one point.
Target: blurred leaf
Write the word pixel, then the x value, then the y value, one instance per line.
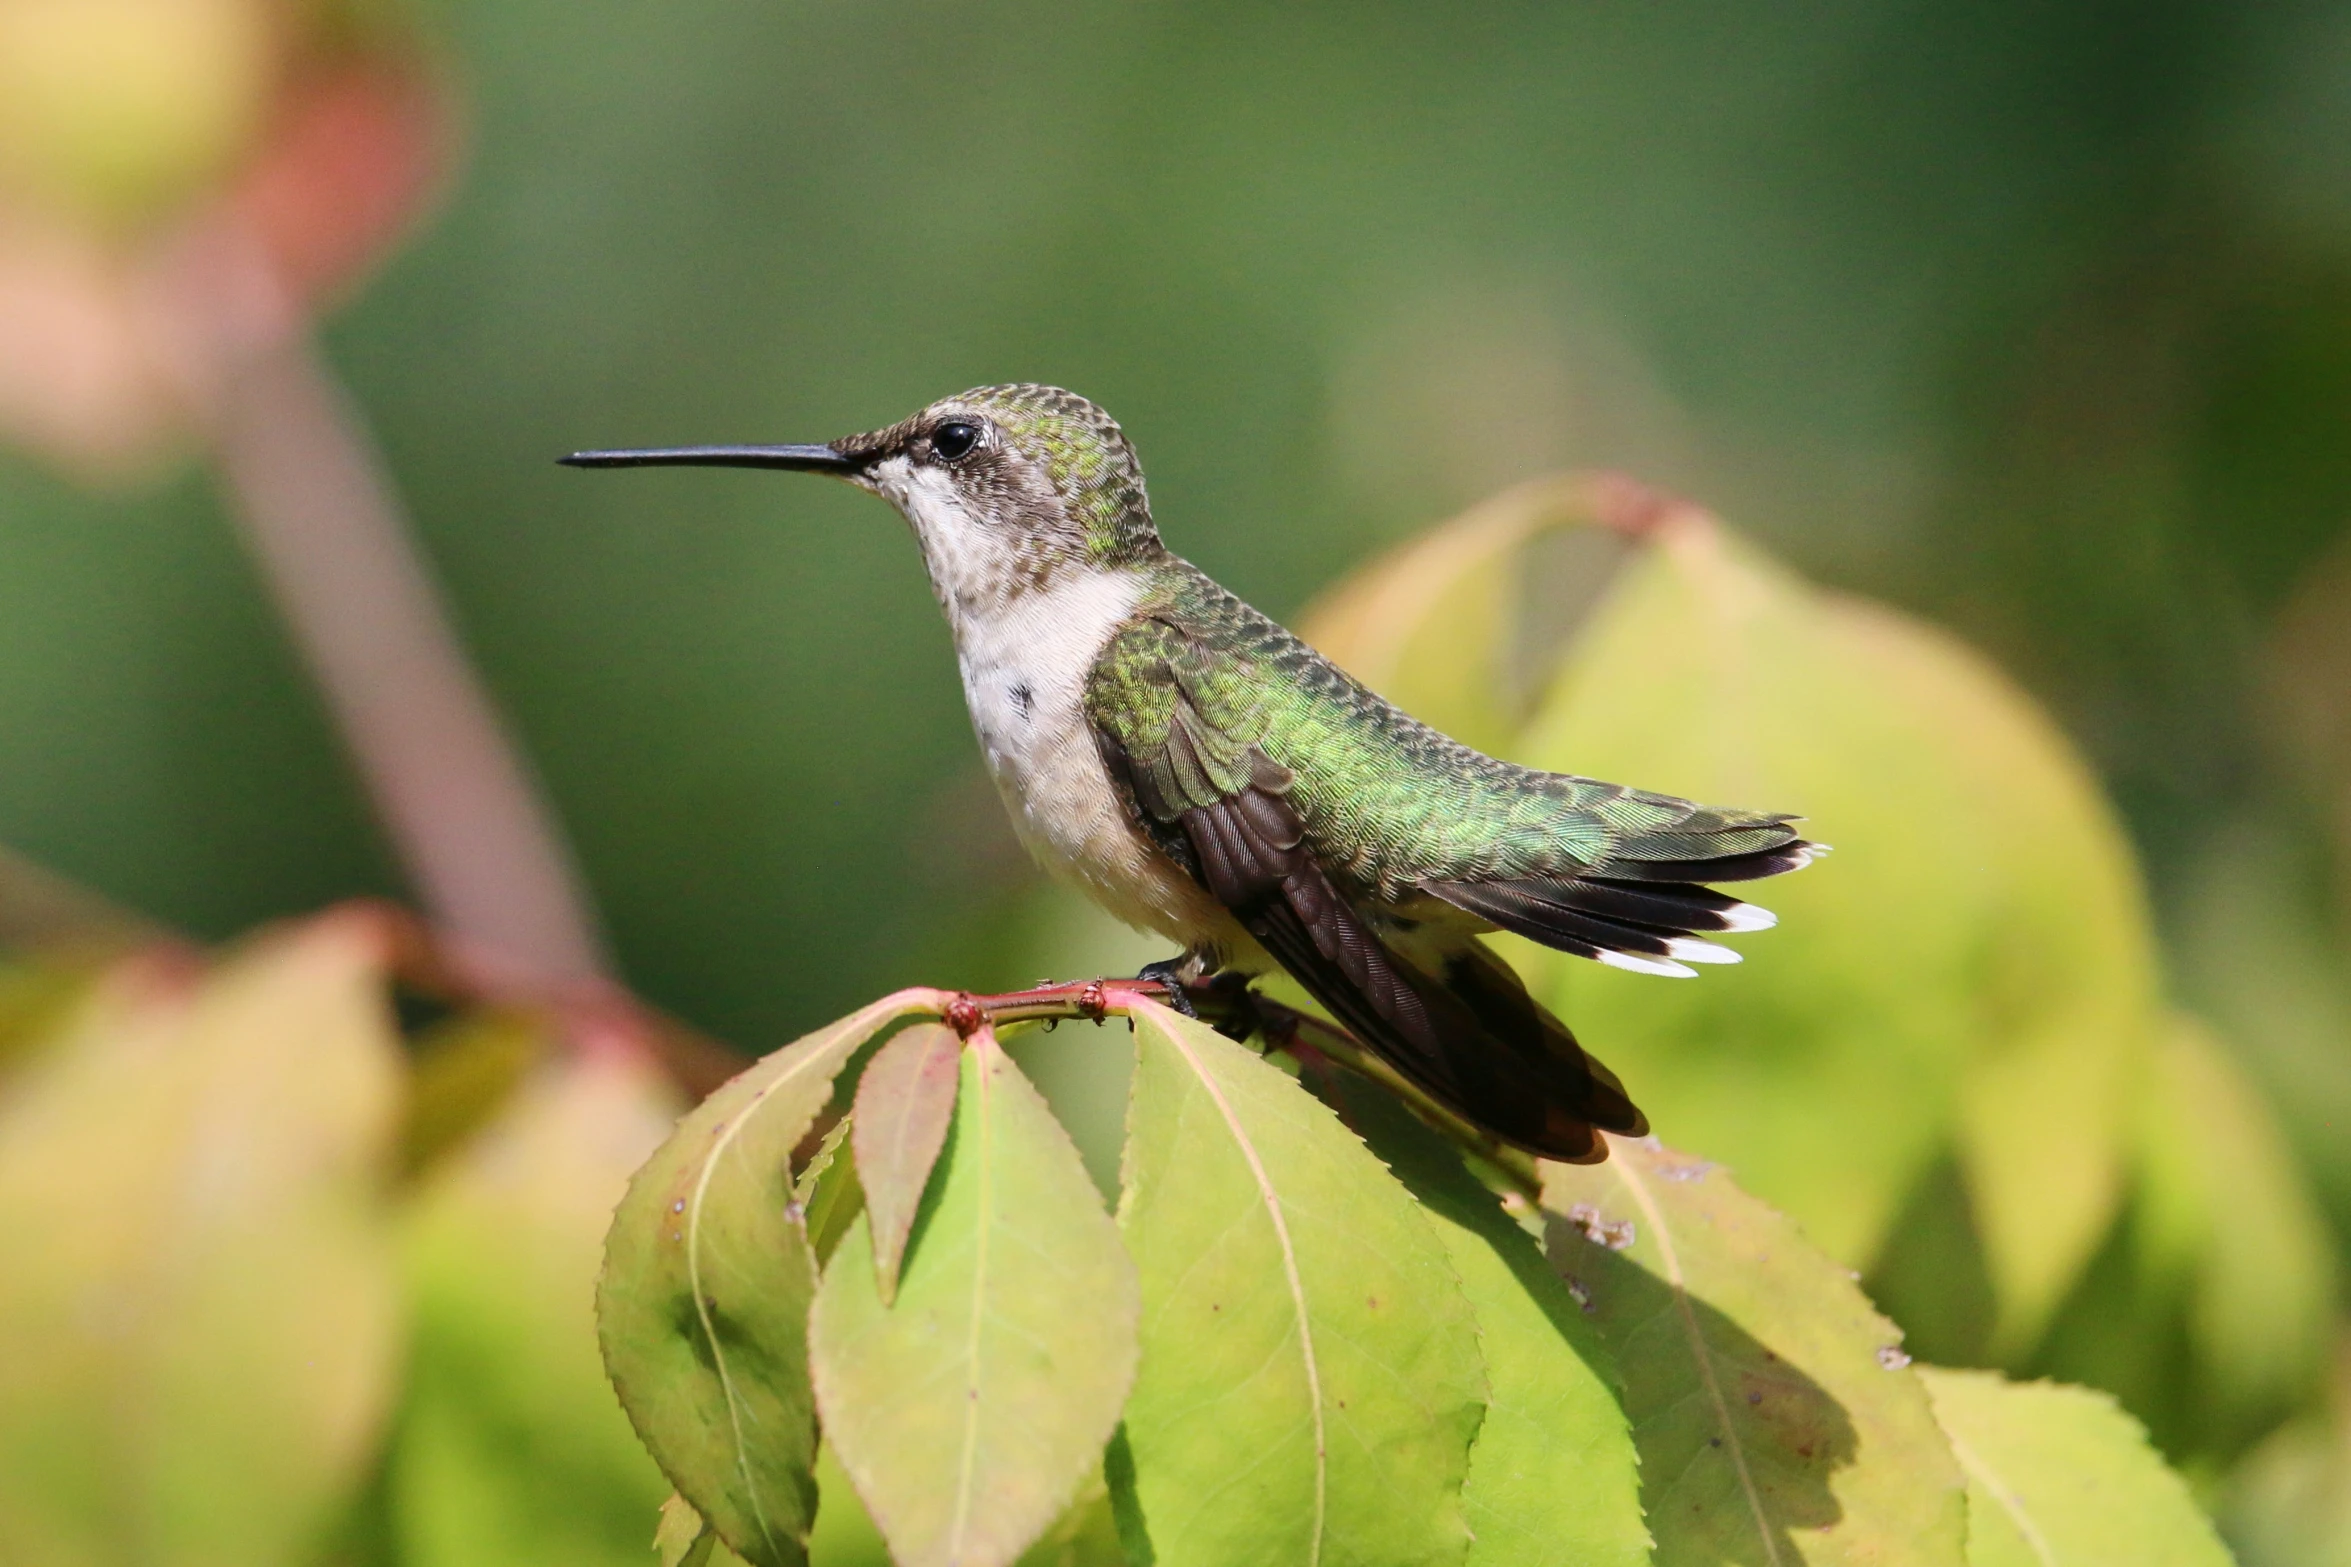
pixel 55 940
pixel 905 1102
pixel 114 109
pixel 1310 1382
pixel 1553 1477
pixel 2059 1474
pixel 39 909
pixel 684 1540
pixel 702 1307
pixel 2262 956
pixel 1777 1419
pixel 2289 1503
pixel 181 183
pixel 1973 962
pixel 38 997
pixel 463 1072
pixel 512 1448
pixel 2226 1217
pixel 969 1411
pixel 828 1193
pixel 190 1188
pixel 1445 626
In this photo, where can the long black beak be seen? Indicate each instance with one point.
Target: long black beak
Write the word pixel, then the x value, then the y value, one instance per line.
pixel 796 459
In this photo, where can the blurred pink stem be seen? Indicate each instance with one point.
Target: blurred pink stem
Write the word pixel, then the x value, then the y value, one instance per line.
pixel 480 847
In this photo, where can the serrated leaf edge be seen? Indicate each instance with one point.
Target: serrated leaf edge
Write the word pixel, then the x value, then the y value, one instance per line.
pixel 1281 1228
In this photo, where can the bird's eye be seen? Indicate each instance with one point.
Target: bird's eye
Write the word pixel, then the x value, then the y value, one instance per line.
pixel 953 439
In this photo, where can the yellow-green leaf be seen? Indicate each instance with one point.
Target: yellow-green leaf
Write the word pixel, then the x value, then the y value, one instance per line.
pixel 1553 1477
pixel 1085 1535
pixel 827 1191
pixel 2225 1215
pixel 1445 626
pixel 199 1298
pixel 2059 1475
pixel 1971 967
pixel 702 1308
pixel 1311 1380
pixel 42 911
pixel 1777 1419
pixel 511 1446
pixel 683 1539
pixel 905 1100
pixel 2289 1503
pixel 969 1409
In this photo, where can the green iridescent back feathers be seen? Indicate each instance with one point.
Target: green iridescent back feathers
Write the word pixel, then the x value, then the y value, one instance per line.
pixel 1388 802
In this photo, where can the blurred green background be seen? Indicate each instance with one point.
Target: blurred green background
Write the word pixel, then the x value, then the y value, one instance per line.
pixel 2033 320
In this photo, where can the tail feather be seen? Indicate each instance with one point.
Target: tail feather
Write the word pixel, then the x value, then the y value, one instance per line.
pixel 1470 1036
pixel 1650 915
pixel 1754 866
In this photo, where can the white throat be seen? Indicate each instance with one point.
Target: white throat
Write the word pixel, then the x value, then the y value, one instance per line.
pixel 975 562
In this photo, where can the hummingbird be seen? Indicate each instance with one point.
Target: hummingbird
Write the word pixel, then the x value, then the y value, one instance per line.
pixel 1200 772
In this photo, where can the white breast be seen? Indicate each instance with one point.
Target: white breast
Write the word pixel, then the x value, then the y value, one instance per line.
pixel 1024 678
pixel 1026 642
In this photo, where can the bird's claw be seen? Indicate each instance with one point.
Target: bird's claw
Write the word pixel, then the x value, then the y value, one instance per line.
pixel 1168 973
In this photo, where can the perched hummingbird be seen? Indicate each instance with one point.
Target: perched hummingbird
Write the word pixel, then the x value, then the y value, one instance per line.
pixel 1199 771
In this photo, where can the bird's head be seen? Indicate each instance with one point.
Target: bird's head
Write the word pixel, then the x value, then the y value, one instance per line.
pixel 1005 486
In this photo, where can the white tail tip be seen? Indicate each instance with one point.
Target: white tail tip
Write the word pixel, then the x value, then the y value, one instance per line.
pixel 1639 963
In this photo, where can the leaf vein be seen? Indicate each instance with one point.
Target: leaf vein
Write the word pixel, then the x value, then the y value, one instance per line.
pixel 1281 1227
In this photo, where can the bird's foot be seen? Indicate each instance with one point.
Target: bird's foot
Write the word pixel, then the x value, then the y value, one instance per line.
pixel 1176 975
pixel 1221 999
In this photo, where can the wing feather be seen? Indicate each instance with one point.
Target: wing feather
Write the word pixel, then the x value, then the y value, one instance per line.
pixel 1224 810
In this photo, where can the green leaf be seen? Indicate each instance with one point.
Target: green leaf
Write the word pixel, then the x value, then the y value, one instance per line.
pixel 1553 1477
pixel 1777 1419
pixel 683 1539
pixel 2058 1474
pixel 2289 1503
pixel 1085 1535
pixel 969 1410
pixel 511 1447
pixel 1446 626
pixel 905 1100
pixel 1972 968
pixel 829 1196
pixel 199 1301
pixel 702 1309
pixel 463 1072
pixel 2226 1216
pixel 1311 1380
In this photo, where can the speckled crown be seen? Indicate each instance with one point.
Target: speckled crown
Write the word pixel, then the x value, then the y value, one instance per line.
pixel 1087 457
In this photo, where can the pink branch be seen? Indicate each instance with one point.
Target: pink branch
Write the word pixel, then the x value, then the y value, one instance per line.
pixel 478 842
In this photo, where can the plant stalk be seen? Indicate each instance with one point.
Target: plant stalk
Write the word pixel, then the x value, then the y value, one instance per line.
pixel 471 829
